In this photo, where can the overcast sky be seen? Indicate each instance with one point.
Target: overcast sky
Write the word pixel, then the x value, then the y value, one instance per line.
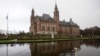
pixel 86 13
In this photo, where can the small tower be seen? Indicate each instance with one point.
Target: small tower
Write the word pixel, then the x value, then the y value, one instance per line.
pixel 32 16
pixel 32 19
pixel 56 17
pixel 56 14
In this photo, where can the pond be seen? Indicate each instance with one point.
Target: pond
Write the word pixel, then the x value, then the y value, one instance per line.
pixel 61 48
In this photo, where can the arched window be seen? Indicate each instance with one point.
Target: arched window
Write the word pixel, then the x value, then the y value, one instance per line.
pixel 43 28
pixel 48 28
pixel 53 29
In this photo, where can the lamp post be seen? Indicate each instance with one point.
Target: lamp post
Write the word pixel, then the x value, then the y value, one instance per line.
pixel 71 23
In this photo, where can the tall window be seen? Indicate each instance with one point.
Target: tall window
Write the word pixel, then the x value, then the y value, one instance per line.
pixel 43 28
pixel 53 29
pixel 48 28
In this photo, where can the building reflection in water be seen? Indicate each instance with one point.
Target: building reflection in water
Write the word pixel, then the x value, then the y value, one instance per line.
pixel 62 48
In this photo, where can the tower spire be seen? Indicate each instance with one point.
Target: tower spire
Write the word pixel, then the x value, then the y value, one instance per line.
pixel 32 16
pixel 56 16
pixel 56 8
pixel 32 11
pixel 56 13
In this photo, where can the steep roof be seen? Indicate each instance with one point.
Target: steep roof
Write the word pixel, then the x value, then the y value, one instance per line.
pixel 48 19
pixel 64 23
pixel 45 18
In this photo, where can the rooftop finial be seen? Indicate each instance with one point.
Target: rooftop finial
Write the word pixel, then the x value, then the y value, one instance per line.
pixel 56 8
pixel 32 10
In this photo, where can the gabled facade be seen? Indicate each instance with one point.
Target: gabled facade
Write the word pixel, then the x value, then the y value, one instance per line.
pixel 47 25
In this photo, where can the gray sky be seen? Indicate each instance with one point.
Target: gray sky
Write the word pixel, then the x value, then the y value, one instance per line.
pixel 86 13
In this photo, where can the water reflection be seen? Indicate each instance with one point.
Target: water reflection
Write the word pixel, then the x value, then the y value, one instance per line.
pixel 15 49
pixel 62 48
pixel 93 43
pixel 89 48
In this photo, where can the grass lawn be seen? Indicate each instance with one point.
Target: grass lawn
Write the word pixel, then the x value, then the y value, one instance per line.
pixel 44 40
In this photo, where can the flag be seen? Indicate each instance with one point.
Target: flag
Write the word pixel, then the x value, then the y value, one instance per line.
pixel 7 17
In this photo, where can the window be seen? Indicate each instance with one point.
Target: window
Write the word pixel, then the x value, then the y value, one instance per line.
pixel 53 28
pixel 48 28
pixel 43 28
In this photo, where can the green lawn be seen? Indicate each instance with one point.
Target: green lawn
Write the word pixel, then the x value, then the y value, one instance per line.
pixel 44 40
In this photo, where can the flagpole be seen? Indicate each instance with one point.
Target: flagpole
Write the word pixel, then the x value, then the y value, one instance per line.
pixel 7 25
pixel 7 50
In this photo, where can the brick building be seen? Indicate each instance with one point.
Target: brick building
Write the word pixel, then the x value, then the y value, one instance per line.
pixel 47 25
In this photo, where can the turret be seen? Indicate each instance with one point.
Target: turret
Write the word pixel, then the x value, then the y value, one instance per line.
pixel 56 14
pixel 32 16
pixel 32 22
pixel 56 17
pixel 32 11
